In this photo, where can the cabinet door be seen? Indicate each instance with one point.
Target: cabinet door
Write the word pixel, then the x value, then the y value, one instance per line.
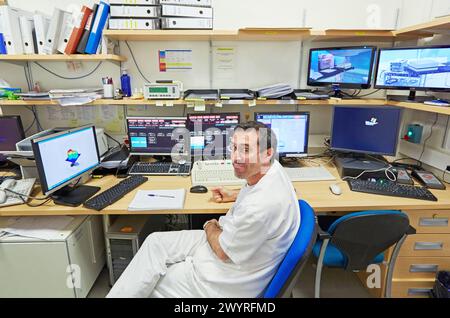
pixel 34 269
pixel 87 254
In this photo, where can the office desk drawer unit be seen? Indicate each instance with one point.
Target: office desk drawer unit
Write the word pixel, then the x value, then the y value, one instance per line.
pixel 423 254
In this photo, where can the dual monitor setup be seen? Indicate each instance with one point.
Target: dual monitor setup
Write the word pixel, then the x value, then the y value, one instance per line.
pixel 413 68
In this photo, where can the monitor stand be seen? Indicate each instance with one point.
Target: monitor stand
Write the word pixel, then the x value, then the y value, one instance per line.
pixel 412 98
pixel 74 196
pixel 338 93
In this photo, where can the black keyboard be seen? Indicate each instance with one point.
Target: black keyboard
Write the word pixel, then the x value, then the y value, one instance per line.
pixel 114 193
pixel 392 189
pixel 160 168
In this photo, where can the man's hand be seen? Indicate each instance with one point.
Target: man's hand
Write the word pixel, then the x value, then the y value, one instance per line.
pixel 213 232
pixel 221 195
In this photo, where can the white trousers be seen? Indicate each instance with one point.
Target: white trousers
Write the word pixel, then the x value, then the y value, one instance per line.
pixel 163 268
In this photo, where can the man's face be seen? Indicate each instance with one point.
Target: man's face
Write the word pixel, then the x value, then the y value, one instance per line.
pixel 245 153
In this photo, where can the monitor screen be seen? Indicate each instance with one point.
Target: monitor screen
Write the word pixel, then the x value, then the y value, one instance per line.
pixel 370 130
pixel 11 132
pixel 346 66
pixel 63 157
pixel 205 128
pixel 419 68
pixel 153 135
pixel 291 129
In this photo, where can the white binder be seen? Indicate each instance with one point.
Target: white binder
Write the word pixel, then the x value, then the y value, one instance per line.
pixel 182 11
pixel 198 3
pixel 26 28
pixel 118 11
pixel 67 26
pixel 11 30
pixel 138 2
pixel 41 23
pixel 54 31
pixel 186 23
pixel 134 24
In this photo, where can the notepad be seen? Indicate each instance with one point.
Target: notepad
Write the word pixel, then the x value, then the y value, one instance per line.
pixel 147 200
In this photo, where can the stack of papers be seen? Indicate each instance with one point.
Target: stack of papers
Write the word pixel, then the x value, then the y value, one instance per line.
pixel 274 91
pixel 147 200
pixel 40 227
pixel 34 96
pixel 73 97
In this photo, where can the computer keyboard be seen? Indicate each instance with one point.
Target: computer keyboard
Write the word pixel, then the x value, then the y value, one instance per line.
pixel 114 193
pixel 23 186
pixel 215 173
pixel 160 168
pixel 309 174
pixel 392 189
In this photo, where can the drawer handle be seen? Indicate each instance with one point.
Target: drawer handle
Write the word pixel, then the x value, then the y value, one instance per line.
pixel 433 222
pixel 419 291
pixel 428 246
pixel 425 268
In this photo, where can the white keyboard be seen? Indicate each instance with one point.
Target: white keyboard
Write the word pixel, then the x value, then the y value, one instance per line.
pixel 309 174
pixel 23 186
pixel 214 173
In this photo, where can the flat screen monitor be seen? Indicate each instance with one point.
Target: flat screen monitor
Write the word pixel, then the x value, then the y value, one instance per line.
pixel 11 132
pixel 414 68
pixel 368 130
pixel 291 130
pixel 210 133
pixel 157 135
pixel 347 67
pixel 64 157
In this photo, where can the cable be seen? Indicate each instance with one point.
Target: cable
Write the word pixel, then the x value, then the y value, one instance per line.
pixel 69 78
pixel 431 134
pixel 113 139
pixel 21 195
pixel 135 63
pixel 386 170
pixel 376 91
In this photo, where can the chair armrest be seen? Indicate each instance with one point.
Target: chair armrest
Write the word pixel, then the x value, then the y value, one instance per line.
pixel 411 230
pixel 321 234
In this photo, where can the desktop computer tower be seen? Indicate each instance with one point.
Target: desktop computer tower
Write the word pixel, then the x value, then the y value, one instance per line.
pixel 125 237
pixel 349 166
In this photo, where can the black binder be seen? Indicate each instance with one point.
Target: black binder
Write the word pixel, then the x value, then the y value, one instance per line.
pixel 81 47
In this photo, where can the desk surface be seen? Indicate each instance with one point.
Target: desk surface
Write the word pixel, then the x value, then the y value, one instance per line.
pixel 315 193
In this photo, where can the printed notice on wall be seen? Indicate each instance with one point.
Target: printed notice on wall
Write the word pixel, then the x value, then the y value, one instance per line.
pixel 224 63
pixel 175 60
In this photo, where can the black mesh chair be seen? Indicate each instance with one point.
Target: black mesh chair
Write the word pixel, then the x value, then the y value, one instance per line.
pixel 359 239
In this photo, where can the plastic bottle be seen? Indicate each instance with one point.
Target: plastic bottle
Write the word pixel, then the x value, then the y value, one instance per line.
pixel 125 82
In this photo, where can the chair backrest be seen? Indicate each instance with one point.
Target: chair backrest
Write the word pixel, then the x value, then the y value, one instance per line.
pixel 290 268
pixel 361 236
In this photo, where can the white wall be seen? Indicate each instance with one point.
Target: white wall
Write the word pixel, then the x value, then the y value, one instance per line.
pixel 257 63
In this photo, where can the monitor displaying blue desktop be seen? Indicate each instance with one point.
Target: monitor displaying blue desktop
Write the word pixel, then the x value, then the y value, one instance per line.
pixel 11 132
pixel 291 129
pixel 416 68
pixel 348 67
pixel 368 130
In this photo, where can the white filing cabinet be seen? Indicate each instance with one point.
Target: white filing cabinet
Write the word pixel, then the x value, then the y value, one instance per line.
pixel 37 268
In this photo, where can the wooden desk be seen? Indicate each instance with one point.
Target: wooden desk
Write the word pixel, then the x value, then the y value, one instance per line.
pixel 315 193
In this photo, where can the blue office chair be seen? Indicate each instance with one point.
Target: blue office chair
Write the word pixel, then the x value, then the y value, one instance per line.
pixel 359 239
pixel 290 268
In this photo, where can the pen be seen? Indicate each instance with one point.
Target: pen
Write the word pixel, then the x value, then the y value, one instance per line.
pixel 161 196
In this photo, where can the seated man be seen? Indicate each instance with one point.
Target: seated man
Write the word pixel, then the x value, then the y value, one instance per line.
pixel 236 256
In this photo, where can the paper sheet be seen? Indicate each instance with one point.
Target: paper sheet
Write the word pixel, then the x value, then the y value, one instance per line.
pixel 40 227
pixel 146 200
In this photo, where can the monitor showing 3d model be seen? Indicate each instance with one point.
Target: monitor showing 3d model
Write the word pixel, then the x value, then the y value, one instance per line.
pixel 341 67
pixel 291 129
pixel 157 135
pixel 62 159
pixel 11 132
pixel 205 130
pixel 414 69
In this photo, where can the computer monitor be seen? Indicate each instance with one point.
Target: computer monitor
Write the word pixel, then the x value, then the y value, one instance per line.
pixel 414 69
pixel 157 135
pixel 11 132
pixel 291 129
pixel 64 158
pixel 205 130
pixel 367 130
pixel 341 67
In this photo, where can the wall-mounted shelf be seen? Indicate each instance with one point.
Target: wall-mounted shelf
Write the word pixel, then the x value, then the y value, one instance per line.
pixel 352 35
pixel 62 58
pixel 331 102
pixel 437 26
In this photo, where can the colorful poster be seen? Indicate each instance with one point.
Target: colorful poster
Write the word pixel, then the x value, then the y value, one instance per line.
pixel 175 60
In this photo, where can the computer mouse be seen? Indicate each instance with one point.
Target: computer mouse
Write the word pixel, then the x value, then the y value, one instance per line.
pixel 335 189
pixel 199 189
pixel 2 196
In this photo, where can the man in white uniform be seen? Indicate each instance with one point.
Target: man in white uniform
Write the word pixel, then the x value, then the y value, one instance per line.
pixel 236 256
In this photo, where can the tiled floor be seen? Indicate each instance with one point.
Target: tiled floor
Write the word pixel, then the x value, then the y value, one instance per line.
pixel 336 283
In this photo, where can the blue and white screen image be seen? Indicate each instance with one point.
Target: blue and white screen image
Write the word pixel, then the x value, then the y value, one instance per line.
pixel 417 68
pixel 344 66
pixel 67 156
